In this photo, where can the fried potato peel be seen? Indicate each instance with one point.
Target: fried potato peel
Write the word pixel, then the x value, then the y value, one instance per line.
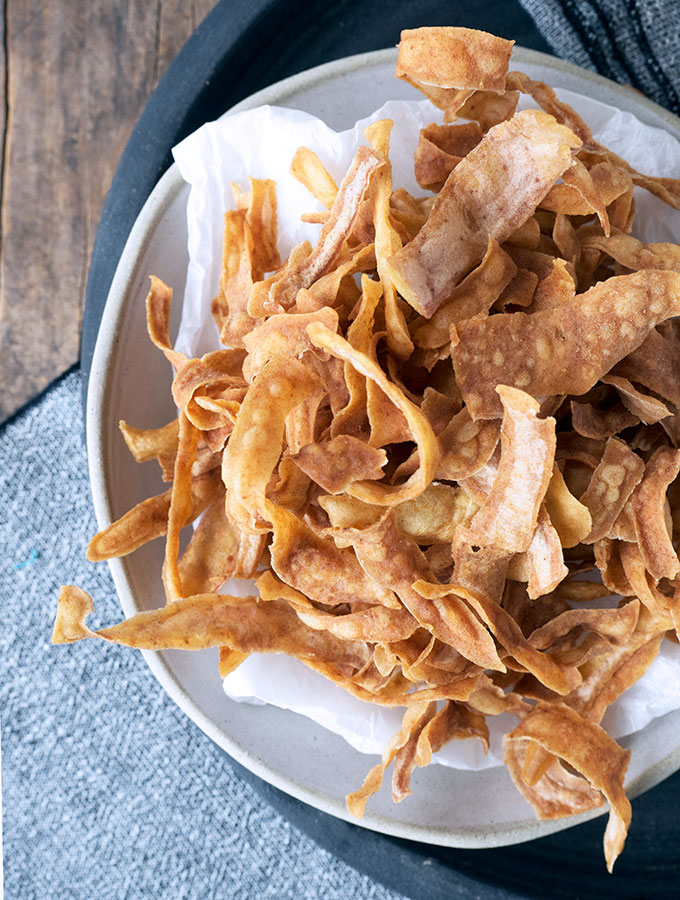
pixel 562 350
pixel 529 153
pixel 426 431
pixel 590 751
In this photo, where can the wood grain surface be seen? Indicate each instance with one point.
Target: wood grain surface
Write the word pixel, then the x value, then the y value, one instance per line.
pixel 74 78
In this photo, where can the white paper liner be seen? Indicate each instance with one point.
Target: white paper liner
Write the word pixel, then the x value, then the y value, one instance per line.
pixel 261 143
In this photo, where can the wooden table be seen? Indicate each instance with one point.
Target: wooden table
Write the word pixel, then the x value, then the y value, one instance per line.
pixel 75 75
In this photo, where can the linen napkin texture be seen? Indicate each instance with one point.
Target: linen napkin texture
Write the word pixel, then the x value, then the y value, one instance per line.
pixel 635 42
pixel 109 790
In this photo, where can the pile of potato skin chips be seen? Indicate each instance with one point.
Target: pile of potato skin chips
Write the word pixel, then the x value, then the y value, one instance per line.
pixel 426 433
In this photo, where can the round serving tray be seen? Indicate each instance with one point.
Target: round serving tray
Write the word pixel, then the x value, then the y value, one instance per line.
pixel 114 390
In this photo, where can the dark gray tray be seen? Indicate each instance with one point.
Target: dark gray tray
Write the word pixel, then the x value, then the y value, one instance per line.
pixel 240 48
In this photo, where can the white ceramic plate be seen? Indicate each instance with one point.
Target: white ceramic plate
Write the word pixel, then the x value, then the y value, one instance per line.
pixel 131 380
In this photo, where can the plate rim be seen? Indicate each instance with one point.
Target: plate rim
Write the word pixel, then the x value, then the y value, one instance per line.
pixel 118 299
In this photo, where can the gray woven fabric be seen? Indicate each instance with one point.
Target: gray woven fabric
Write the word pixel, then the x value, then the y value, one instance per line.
pixel 634 42
pixel 109 790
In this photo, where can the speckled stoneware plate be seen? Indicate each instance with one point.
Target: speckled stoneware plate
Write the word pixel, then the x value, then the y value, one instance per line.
pixel 130 380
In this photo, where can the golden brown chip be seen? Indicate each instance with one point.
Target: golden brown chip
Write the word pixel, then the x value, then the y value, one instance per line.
pixel 434 516
pixel 341 462
pixel 151 443
pixel 452 722
pixel 479 569
pixel 507 632
pixel 519 291
pixel 314 565
pixel 279 293
pixel 353 418
pixel 256 443
pixel 449 57
pixel 475 295
pixel 146 521
pixel 647 408
pixel 308 169
pixel 613 481
pixel 546 98
pixel 655 364
pixel 580 196
pixel 633 254
pixel 509 514
pixel 563 350
pixel 600 424
pixel 526 154
pixel 440 149
pixel 544 557
pixel 387 241
pixel 158 303
pixel 385 553
pixel 217 551
pixel 570 517
pixel 555 289
pixel 282 335
pixel 209 620
pixel 489 107
pixel 209 390
pixel 375 624
pixel 181 506
pixel 591 752
pixel 405 742
pixel 229 307
pixel 385 495
pixel 648 508
pixel 616 625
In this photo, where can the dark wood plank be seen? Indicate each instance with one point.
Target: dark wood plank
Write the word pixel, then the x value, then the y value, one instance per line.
pixel 78 73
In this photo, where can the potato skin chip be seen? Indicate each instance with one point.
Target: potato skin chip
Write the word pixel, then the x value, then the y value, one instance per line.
pixel 315 565
pixel 655 364
pixel 509 514
pixel 340 462
pixel 563 350
pixel 210 620
pixel 147 521
pixel 450 57
pixel 614 480
pixel 647 408
pixel 415 719
pixel 181 506
pixel 345 209
pixel 149 443
pixel 282 335
pixel 647 504
pixel 387 240
pixel 386 553
pixel 440 149
pixel 308 169
pixel 158 303
pixel 385 495
pixel 560 679
pixel 475 295
pixel 589 750
pixel 544 557
pixel 257 440
pixel 526 154
pixel 569 516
